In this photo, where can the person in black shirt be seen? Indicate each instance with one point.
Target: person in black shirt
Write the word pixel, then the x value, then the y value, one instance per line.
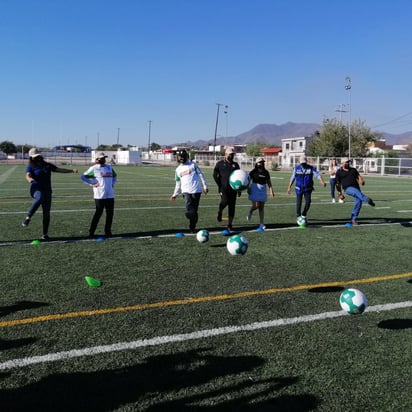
pixel 260 181
pixel 221 174
pixel 349 179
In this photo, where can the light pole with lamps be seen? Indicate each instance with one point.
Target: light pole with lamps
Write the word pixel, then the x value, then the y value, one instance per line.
pixel 348 88
pixel 217 123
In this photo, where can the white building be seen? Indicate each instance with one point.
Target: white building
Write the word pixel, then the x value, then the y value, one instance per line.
pixel 120 157
pixel 292 149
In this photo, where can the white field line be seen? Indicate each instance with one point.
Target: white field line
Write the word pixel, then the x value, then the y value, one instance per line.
pixel 201 334
pixel 213 233
pixel 6 174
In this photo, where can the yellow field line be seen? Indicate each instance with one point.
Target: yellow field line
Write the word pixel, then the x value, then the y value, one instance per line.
pixel 68 315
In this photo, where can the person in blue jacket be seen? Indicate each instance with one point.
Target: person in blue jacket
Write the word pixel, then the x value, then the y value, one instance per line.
pixel 302 176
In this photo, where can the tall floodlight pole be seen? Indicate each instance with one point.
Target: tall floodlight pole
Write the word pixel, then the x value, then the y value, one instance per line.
pixel 348 88
pixel 148 141
pixel 118 135
pixel 216 125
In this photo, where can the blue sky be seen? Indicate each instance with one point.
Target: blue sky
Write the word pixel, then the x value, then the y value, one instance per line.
pixel 83 71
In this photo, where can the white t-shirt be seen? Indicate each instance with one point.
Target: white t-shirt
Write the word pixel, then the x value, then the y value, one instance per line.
pixel 105 176
pixel 189 179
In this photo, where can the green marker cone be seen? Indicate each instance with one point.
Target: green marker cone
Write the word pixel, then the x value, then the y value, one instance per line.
pixel 35 242
pixel 92 282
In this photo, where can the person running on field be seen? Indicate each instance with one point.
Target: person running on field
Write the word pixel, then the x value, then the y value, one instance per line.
pixel 260 181
pixel 221 174
pixel 302 176
pixel 102 178
pixel 349 179
pixel 189 181
pixel 38 174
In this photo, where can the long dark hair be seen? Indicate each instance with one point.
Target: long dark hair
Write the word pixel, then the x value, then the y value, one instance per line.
pixel 36 160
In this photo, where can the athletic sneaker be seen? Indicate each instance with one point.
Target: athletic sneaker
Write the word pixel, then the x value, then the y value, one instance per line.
pixel 262 226
pixel 26 222
pixel 230 228
pixel 341 201
pixel 333 200
pixel 371 202
pixel 355 223
pixel 45 237
pixel 249 216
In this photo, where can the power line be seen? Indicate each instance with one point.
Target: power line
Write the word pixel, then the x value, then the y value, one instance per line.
pixel 392 121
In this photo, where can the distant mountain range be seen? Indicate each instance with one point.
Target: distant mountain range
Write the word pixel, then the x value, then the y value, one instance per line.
pixel 272 134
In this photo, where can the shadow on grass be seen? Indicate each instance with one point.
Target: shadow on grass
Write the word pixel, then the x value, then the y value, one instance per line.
pixel 21 305
pixel 362 220
pixel 313 223
pixel 10 344
pixel 395 324
pixel 326 289
pixel 193 380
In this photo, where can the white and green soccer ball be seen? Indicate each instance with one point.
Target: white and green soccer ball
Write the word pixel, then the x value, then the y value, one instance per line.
pixel 301 221
pixel 239 180
pixel 202 236
pixel 237 245
pixel 353 301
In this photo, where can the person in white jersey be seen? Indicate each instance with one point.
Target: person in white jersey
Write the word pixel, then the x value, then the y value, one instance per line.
pixel 102 178
pixel 189 182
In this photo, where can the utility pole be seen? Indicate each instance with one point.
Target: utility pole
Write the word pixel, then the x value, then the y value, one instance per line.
pixel 148 142
pixel 118 135
pixel 341 110
pixel 216 125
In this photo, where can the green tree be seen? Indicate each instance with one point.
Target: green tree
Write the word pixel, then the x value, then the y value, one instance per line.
pixel 333 140
pixel 254 150
pixel 154 147
pixel 8 147
pixel 23 148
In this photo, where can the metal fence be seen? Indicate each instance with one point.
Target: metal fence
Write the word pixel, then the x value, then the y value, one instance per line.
pixel 384 166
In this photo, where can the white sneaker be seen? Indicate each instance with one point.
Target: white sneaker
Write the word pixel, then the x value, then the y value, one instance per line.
pixel 333 200
pixel 262 226
pixel 341 201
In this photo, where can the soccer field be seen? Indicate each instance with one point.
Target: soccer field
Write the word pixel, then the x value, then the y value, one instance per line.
pixel 180 325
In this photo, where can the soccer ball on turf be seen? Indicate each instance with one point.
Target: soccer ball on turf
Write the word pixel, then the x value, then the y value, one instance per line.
pixel 202 236
pixel 353 301
pixel 237 245
pixel 239 180
pixel 301 220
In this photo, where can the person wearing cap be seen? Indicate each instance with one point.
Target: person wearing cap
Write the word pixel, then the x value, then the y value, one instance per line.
pixel 260 181
pixel 349 180
pixel 38 174
pixel 221 174
pixel 102 178
pixel 189 182
pixel 302 176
